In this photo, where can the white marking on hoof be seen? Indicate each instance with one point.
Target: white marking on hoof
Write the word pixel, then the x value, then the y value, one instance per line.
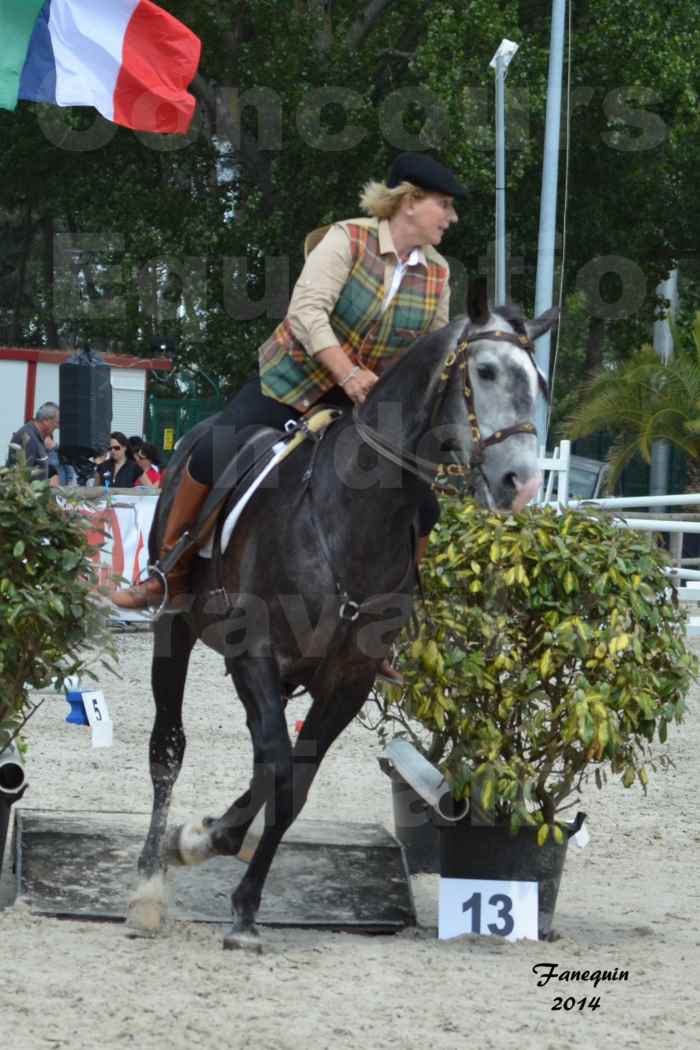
pixel 243 940
pixel 147 908
pixel 194 844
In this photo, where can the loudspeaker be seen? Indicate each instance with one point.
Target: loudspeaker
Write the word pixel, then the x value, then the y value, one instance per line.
pixel 85 402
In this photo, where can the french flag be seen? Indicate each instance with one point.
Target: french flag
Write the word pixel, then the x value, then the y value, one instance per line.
pixel 129 59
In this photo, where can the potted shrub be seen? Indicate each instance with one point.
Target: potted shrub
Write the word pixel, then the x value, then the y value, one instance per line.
pixel 549 649
pixel 51 617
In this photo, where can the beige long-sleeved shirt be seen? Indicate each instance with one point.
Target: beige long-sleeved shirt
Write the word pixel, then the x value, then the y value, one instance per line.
pixel 327 269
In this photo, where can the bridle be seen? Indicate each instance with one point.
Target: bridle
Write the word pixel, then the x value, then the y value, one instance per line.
pixel 459 472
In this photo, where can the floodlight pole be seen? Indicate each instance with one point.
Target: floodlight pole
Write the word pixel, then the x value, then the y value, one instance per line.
pixel 500 286
pixel 500 62
pixel 544 285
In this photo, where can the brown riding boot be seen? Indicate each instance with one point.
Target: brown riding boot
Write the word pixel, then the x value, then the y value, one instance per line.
pixel 189 499
pixel 387 672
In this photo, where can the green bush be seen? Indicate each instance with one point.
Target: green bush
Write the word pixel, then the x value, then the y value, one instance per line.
pixel 549 647
pixel 50 614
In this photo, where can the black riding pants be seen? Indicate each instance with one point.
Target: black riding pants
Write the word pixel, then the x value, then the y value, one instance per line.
pixel 251 407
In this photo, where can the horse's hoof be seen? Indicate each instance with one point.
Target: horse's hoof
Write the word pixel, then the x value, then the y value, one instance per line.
pixel 147 908
pixel 247 940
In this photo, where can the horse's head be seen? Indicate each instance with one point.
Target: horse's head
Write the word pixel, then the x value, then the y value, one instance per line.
pixel 468 395
pixel 500 396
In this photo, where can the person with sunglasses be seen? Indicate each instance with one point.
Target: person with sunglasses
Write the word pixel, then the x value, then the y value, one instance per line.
pixel 120 469
pixel 148 458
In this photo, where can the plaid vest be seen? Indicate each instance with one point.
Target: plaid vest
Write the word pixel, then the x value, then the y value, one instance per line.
pixel 368 337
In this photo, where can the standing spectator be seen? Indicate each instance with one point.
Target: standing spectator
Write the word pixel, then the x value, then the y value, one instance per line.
pixel 120 470
pixel 148 458
pixel 135 443
pixel 30 438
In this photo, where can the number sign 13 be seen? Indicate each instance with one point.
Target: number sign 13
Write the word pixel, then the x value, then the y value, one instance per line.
pixel 489 907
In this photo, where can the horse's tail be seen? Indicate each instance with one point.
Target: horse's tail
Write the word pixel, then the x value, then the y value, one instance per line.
pixel 176 466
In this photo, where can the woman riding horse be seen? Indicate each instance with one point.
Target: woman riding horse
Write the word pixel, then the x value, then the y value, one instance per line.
pixel 369 289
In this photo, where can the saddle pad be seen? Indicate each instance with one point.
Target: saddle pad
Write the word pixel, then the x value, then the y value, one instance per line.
pixel 280 450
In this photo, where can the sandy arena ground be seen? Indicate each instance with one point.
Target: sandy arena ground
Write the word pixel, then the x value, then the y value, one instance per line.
pixel 630 900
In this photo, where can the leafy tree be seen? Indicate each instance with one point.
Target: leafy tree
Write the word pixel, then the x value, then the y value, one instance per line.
pixel 198 239
pixel 52 621
pixel 549 649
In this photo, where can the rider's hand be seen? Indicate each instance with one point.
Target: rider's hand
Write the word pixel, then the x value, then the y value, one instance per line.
pixel 358 386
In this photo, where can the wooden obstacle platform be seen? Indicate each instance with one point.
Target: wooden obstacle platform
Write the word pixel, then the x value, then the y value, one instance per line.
pixel 326 875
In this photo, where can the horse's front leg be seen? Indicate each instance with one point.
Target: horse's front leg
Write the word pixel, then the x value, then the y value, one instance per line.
pixel 172 644
pixel 230 835
pixel 326 719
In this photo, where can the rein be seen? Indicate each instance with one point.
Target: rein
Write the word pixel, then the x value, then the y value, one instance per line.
pixel 427 470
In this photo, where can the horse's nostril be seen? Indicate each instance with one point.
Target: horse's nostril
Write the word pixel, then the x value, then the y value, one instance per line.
pixel 450 446
pixel 511 480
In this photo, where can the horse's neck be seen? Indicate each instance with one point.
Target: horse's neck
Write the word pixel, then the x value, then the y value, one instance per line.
pixel 370 501
pixel 398 411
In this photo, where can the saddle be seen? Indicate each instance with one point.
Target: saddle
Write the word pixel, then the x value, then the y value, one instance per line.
pixel 255 448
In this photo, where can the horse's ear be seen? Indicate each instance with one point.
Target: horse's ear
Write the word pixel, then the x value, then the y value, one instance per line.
pixel 478 300
pixel 542 324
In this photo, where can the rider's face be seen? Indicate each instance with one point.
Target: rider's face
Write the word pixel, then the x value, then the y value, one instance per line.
pixel 432 215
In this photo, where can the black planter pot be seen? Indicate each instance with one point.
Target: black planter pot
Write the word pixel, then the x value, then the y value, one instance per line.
pixel 490 852
pixel 414 828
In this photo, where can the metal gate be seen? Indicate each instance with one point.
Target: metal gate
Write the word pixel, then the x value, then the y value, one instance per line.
pixel 169 418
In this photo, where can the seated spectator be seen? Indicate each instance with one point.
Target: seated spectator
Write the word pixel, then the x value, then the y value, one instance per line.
pixel 30 438
pixel 120 470
pixel 148 458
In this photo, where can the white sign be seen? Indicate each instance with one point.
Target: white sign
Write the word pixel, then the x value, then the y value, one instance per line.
pixel 489 907
pixel 97 714
pixel 582 837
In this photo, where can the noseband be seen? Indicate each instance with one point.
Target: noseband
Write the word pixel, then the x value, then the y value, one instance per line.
pixel 459 472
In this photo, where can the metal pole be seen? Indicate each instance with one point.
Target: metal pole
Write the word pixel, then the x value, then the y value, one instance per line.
pixel 544 287
pixel 500 283
pixel 660 473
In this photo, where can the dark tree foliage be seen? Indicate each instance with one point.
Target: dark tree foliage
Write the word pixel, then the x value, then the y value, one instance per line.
pixel 131 239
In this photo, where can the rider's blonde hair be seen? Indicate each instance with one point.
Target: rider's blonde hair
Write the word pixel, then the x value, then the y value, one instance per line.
pixel 381 202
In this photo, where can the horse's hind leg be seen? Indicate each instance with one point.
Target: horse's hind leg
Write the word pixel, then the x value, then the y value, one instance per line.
pixel 327 718
pixel 172 644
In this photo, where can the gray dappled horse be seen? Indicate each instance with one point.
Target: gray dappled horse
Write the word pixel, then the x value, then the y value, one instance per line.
pixel 318 579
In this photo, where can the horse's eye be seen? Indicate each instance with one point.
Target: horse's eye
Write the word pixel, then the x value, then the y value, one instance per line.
pixel 487 372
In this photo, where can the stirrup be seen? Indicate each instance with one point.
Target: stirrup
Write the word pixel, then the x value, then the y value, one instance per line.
pixel 155 570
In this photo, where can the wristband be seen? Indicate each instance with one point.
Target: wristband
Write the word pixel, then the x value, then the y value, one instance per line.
pixel 351 373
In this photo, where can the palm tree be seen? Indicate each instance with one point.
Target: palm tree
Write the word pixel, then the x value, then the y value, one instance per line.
pixel 642 400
